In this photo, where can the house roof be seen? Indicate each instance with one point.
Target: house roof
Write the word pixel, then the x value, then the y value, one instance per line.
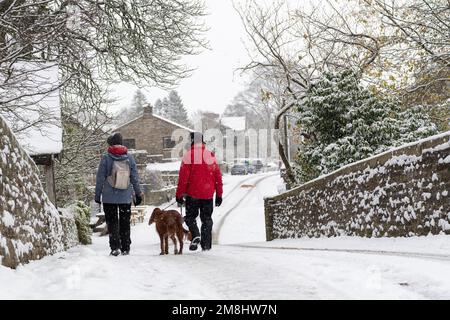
pixel 172 122
pixel 235 123
pixel 44 137
pixel 158 117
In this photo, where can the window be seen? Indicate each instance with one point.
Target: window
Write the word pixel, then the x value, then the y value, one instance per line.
pixel 168 143
pixel 129 143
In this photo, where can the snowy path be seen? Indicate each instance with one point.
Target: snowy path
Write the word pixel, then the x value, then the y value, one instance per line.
pixel 242 206
pixel 243 266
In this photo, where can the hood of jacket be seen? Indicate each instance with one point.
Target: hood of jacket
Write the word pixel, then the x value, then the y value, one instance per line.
pixel 118 152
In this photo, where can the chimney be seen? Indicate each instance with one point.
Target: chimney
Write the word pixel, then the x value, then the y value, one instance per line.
pixel 148 111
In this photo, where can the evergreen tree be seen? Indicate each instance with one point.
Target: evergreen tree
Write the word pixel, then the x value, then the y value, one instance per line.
pixel 344 122
pixel 177 112
pixel 157 108
pixel 172 108
pixel 138 103
pixel 164 108
pixel 135 109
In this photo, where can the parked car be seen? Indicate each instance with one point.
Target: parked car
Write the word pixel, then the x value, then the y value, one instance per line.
pixel 239 169
pixel 258 165
pixel 251 169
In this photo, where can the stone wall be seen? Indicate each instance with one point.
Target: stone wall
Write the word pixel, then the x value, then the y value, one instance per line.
pixel 30 226
pixel 402 192
pixel 157 197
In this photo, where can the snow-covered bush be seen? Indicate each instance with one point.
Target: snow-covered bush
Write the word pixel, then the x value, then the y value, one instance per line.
pixel 345 122
pixel 82 217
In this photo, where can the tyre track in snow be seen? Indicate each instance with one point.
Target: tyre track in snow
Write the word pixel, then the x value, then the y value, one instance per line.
pixel 238 185
pixel 235 281
pixel 216 234
pixel 417 255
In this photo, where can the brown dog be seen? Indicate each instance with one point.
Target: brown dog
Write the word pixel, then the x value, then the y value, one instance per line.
pixel 169 223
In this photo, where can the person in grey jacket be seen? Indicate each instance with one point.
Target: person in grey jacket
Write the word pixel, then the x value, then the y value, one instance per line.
pixel 117 202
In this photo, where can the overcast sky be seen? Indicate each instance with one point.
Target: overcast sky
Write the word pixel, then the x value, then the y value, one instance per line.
pixel 215 81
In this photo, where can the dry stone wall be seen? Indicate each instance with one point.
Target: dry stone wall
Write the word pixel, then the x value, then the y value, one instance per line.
pixel 402 192
pixel 30 225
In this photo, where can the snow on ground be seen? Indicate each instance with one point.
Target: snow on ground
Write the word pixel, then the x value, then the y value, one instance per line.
pixel 438 245
pixel 242 266
pixel 246 223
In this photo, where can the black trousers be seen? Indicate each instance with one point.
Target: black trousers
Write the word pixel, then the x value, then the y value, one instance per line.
pixel 118 221
pixel 205 208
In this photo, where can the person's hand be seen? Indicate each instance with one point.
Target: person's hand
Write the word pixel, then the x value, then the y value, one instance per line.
pixel 180 201
pixel 138 200
pixel 218 201
pixel 97 200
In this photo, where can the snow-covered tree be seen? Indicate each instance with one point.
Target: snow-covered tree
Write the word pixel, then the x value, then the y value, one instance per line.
pixel 139 101
pixel 177 112
pixel 88 41
pixel 162 107
pixel 172 108
pixel 134 110
pixel 343 122
pixel 158 106
pixel 251 103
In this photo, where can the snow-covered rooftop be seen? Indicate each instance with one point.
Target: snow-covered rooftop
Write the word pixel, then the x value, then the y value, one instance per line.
pixel 172 122
pixel 235 123
pixel 43 109
pixel 158 117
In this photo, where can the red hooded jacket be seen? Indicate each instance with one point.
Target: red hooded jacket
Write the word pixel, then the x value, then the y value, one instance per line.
pixel 200 174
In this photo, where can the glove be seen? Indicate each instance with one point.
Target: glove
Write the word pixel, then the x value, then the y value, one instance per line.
pixel 180 201
pixel 218 201
pixel 97 200
pixel 138 200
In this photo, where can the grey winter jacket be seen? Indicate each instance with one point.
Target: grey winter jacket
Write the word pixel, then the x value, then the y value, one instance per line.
pixel 105 190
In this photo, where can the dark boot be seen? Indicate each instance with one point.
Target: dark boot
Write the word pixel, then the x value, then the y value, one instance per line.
pixel 194 244
pixel 114 253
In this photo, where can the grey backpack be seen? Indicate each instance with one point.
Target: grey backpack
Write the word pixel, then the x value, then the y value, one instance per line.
pixel 120 174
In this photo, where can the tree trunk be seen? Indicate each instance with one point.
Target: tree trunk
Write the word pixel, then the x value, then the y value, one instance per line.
pixel 289 173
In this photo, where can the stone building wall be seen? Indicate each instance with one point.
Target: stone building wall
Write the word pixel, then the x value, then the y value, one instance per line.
pixel 403 192
pixel 148 132
pixel 30 225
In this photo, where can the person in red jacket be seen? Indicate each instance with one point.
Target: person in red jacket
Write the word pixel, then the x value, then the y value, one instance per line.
pixel 198 180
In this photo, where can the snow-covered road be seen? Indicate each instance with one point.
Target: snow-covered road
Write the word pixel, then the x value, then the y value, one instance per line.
pixel 242 265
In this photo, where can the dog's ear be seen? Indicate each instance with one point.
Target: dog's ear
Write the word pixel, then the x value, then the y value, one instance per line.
pixel 155 213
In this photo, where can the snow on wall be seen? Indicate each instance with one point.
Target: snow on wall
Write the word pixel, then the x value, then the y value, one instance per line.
pixel 403 192
pixel 30 225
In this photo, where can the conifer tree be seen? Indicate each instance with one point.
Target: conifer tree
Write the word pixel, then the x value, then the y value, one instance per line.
pixel 177 112
pixel 344 122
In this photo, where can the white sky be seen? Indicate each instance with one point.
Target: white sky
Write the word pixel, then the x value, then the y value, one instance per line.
pixel 215 81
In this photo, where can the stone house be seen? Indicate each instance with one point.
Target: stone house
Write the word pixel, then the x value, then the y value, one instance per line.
pixel 154 134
